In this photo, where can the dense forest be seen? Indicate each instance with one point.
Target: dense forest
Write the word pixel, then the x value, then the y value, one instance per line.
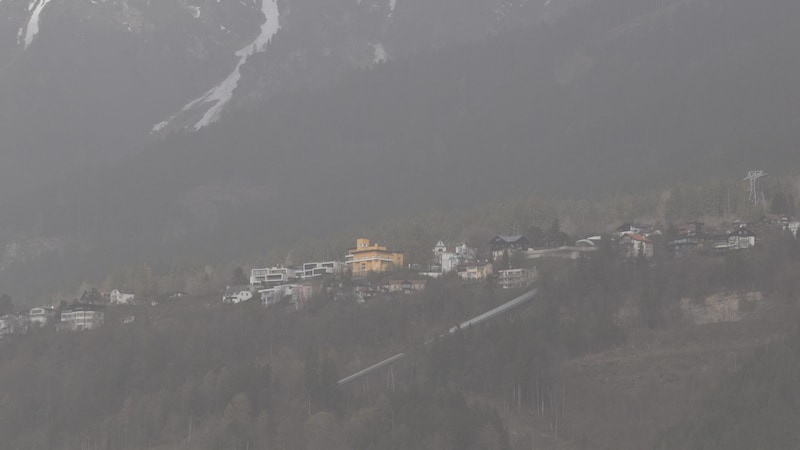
pixel 199 374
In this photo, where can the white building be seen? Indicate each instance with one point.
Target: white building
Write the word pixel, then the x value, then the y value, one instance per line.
pixel 635 244
pixel 317 269
pixel 475 271
pixel 516 278
pixel 40 316
pixel 121 297
pixel 82 317
pixel 272 275
pixel 793 227
pixel 237 294
pixel 13 324
pixel 741 238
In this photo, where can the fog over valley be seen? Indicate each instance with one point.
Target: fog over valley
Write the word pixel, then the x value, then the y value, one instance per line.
pixel 213 212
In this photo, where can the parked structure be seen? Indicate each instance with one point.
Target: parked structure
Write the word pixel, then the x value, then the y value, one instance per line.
pixel 366 258
pixel 237 294
pixel 41 315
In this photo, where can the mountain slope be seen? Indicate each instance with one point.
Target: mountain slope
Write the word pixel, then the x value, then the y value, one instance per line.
pixel 84 81
pixel 619 94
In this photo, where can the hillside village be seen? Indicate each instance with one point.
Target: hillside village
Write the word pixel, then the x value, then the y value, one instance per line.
pixel 371 270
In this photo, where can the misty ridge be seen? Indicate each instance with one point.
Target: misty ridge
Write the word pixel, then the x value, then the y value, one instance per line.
pixel 589 151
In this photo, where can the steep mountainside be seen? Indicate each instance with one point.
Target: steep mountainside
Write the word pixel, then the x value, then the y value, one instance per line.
pixel 82 79
pixel 618 94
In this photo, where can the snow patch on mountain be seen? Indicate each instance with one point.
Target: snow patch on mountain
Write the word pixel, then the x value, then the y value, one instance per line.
pixel 380 53
pixel 32 29
pixel 221 94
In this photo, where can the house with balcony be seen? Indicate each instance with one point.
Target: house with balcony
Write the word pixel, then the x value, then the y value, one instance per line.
pixel 372 258
pixel 272 276
pixel 318 269
pixel 516 278
pixel 82 317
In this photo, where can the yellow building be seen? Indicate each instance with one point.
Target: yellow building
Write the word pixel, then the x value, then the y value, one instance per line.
pixel 367 258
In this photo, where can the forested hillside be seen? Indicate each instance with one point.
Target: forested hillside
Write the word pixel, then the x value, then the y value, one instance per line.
pixel 195 373
pixel 755 407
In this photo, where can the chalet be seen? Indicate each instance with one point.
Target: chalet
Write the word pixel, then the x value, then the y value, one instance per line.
pixel 121 297
pixel 633 245
pixel 81 317
pixel 741 238
pixel 500 245
pixel 41 315
pixel 516 278
pixel 237 294
pixel 475 271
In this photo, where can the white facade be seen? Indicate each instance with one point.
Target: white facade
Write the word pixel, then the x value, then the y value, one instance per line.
pixel 793 227
pixel 118 297
pixel 272 275
pixel 40 316
pixel 237 294
pixel 81 318
pixel 515 278
pixel 473 272
pixel 317 269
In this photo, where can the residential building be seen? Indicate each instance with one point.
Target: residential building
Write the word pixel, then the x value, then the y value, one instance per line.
pixel 741 238
pixel 272 276
pixel 121 297
pixel 317 269
pixel 41 315
pixel 516 278
pixel 297 294
pixel 475 271
pixel 405 286
pixel 793 227
pixel 81 317
pixel 237 294
pixel 501 245
pixel 633 245
pixel 640 229
pixel 13 324
pixel 366 258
